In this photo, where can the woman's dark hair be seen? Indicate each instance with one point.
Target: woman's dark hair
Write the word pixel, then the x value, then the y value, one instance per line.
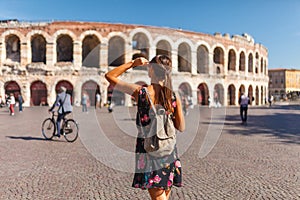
pixel 162 67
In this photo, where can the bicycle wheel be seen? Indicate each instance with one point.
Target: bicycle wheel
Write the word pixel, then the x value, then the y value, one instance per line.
pixel 70 128
pixel 48 128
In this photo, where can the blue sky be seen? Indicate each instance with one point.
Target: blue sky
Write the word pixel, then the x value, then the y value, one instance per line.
pixel 273 23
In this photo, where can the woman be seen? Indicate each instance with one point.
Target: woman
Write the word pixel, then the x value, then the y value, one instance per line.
pixel 157 175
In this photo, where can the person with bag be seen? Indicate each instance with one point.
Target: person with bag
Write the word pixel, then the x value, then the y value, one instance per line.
pixel 63 99
pixel 158 167
pixel 244 101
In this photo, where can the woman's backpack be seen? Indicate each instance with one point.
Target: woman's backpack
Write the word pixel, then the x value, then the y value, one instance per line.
pixel 160 133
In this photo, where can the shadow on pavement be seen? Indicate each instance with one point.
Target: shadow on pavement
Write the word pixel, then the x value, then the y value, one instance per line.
pixel 29 138
pixel 281 122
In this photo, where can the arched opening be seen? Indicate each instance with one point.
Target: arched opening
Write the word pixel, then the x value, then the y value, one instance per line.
pixel 242 62
pixel 140 45
pixel 262 95
pixel 163 48
pixel 116 51
pixel 184 58
pixel 115 97
pixel 250 63
pixel 38 48
pixel 67 85
pixel 64 48
pixel 218 94
pixel 90 88
pixel 12 87
pixel 241 90
pixel 218 56
pixel 202 60
pixel 202 94
pixel 256 95
pixel 38 94
pixel 91 51
pixel 250 94
pixel 256 62
pixel 12 45
pixel 262 65
pixel 231 60
pixel 231 95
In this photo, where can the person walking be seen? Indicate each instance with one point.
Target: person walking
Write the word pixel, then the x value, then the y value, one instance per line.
pixel 98 100
pixel 84 101
pixel 12 102
pixel 20 100
pixel 63 100
pixel 244 101
pixel 158 180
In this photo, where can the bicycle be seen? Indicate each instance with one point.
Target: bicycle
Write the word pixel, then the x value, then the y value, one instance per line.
pixel 69 128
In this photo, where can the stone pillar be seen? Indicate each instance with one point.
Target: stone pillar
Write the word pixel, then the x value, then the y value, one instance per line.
pixel 246 65
pixel 128 101
pixel 174 60
pixel 77 54
pixel 194 63
pixel 51 55
pixel 225 65
pixel 210 63
pixel 24 54
pixel 104 56
pixel 152 52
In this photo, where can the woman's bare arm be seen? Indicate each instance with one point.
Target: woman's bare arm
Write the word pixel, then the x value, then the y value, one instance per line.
pixel 113 76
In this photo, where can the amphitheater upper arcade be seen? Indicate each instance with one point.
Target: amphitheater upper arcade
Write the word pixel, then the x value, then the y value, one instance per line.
pixel 80 53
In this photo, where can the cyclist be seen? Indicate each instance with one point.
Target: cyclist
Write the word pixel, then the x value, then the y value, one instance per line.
pixel 63 99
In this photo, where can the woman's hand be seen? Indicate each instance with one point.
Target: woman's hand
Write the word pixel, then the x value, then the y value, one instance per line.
pixel 141 61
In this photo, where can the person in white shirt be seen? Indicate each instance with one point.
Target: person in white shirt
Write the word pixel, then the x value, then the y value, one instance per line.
pixel 244 101
pixel 12 102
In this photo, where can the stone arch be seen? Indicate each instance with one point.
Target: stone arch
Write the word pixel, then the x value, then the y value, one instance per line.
pixel 91 51
pixel 202 94
pixel 202 60
pixel 38 48
pixel 219 94
pixel 64 48
pixel 38 93
pixel 261 95
pixel 218 55
pixel 250 62
pixel 163 47
pixel 242 62
pixel 241 90
pixel 91 88
pixel 231 94
pixel 250 93
pixel 66 84
pixel 256 95
pixel 12 87
pixel 184 57
pixel 185 89
pixel 13 48
pixel 231 60
pixel 262 65
pixel 140 45
pixel 116 51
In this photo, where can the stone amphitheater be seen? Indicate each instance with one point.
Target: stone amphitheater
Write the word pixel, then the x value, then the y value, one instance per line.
pixel 37 58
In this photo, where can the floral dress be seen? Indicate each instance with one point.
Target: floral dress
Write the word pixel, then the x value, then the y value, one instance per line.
pixel 153 172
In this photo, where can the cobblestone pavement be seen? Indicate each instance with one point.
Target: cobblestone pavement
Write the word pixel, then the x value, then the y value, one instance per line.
pixel 257 161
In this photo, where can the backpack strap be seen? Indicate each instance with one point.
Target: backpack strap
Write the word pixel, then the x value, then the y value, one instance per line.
pixel 150 100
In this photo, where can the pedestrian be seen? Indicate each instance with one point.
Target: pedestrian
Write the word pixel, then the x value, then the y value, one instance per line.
pixel 1 102
pixel 158 180
pixel 20 100
pixel 84 101
pixel 12 102
pixel 109 98
pixel 98 100
pixel 271 100
pixel 63 100
pixel 244 101
pixel 209 102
